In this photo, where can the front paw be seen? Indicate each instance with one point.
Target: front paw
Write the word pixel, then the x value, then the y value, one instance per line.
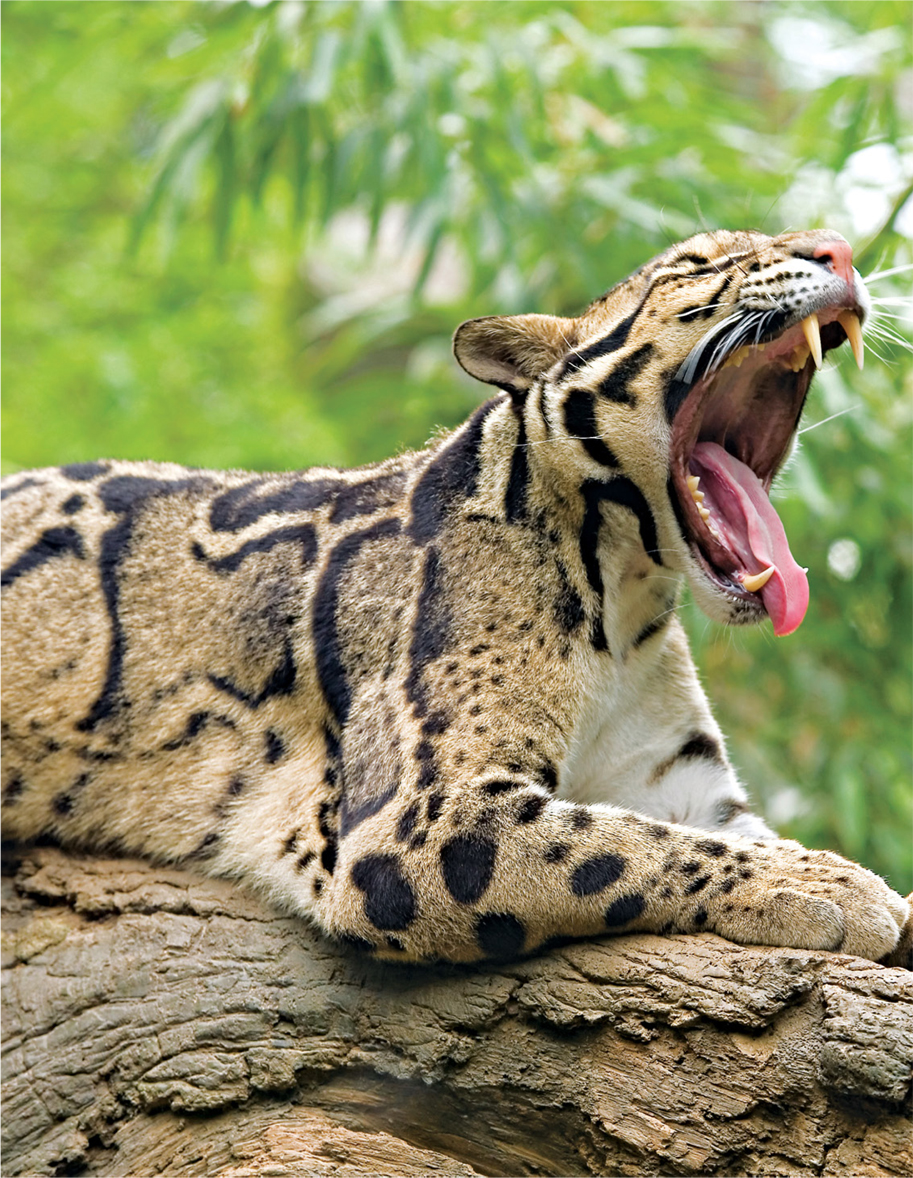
pixel 804 899
pixel 902 953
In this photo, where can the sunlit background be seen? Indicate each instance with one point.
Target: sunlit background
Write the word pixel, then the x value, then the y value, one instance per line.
pixel 242 235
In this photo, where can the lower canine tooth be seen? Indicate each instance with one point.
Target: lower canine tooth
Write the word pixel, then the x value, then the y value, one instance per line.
pixel 735 360
pixel 812 333
pixel 849 321
pixel 758 580
pixel 798 358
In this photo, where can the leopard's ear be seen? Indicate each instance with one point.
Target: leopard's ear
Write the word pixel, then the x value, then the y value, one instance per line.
pixel 510 351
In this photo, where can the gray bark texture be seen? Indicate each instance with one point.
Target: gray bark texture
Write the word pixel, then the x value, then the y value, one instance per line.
pixel 159 1023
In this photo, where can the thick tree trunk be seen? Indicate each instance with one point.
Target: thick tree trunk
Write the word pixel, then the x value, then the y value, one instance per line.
pixel 157 1023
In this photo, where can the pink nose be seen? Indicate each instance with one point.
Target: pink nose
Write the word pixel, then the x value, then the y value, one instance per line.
pixel 839 256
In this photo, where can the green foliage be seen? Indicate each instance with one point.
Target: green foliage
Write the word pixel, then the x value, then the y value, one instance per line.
pixel 242 235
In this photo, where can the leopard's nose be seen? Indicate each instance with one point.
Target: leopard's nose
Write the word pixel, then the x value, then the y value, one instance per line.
pixel 838 256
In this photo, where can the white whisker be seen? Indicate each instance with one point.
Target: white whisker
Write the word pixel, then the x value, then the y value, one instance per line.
pixel 887 273
pixel 825 420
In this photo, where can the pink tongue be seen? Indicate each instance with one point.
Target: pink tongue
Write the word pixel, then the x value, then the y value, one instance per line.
pixel 751 529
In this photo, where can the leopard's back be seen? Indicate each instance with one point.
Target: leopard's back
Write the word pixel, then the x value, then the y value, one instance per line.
pixel 156 622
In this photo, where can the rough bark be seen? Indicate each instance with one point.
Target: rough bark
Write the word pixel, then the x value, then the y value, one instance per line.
pixel 158 1023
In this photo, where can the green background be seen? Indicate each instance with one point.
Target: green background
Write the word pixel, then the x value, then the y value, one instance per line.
pixel 242 235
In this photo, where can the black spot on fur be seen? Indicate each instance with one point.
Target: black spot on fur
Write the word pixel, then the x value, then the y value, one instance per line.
pixel 389 899
pixel 580 423
pixel 435 805
pixel 437 723
pixel 652 628
pixel 697 885
pixel 13 790
pixel 304 535
pixel 492 788
pixel 500 935
pixel 371 495
pixel 673 399
pixel 451 476
pixel 615 386
pixel 280 682
pixel 407 822
pixel 53 543
pixel 395 943
pixel 64 802
pixel 691 868
pixel 657 831
pixel 196 722
pixel 622 491
pixel 615 339
pixel 331 671
pixel 468 863
pixel 596 874
pixel 328 855
pixel 531 809
pixel 700 917
pixel 699 744
pixel 275 748
pixel 581 818
pixel 556 853
pixel 624 909
pixel 125 495
pixel 304 860
pixel 548 776
pixel 431 631
pixel 242 506
pixel 207 846
pixel 14 488
pixel 428 775
pixel 711 847
pixel 84 472
pixel 73 504
pixel 359 944
pixel 569 611
pixel 515 494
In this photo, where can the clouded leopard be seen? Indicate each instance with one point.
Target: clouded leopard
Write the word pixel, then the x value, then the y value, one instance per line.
pixel 443 705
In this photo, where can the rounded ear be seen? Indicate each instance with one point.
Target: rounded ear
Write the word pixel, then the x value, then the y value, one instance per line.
pixel 510 351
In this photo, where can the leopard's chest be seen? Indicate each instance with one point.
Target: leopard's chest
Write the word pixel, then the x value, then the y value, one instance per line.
pixel 634 714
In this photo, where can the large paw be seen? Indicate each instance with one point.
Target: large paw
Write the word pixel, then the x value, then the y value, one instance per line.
pixel 787 895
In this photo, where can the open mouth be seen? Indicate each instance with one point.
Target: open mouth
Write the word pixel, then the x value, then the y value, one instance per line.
pixel 731 435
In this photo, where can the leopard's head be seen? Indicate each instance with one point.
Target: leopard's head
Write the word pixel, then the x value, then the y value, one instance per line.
pixel 688 380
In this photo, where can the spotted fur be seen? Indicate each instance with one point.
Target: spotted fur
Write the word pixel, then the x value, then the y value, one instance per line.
pixel 443 706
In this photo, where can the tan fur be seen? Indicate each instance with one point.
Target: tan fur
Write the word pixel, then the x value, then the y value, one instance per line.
pixel 441 705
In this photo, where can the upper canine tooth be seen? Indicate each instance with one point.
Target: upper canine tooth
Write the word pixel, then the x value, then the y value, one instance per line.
pixel 849 321
pixel 758 580
pixel 812 333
